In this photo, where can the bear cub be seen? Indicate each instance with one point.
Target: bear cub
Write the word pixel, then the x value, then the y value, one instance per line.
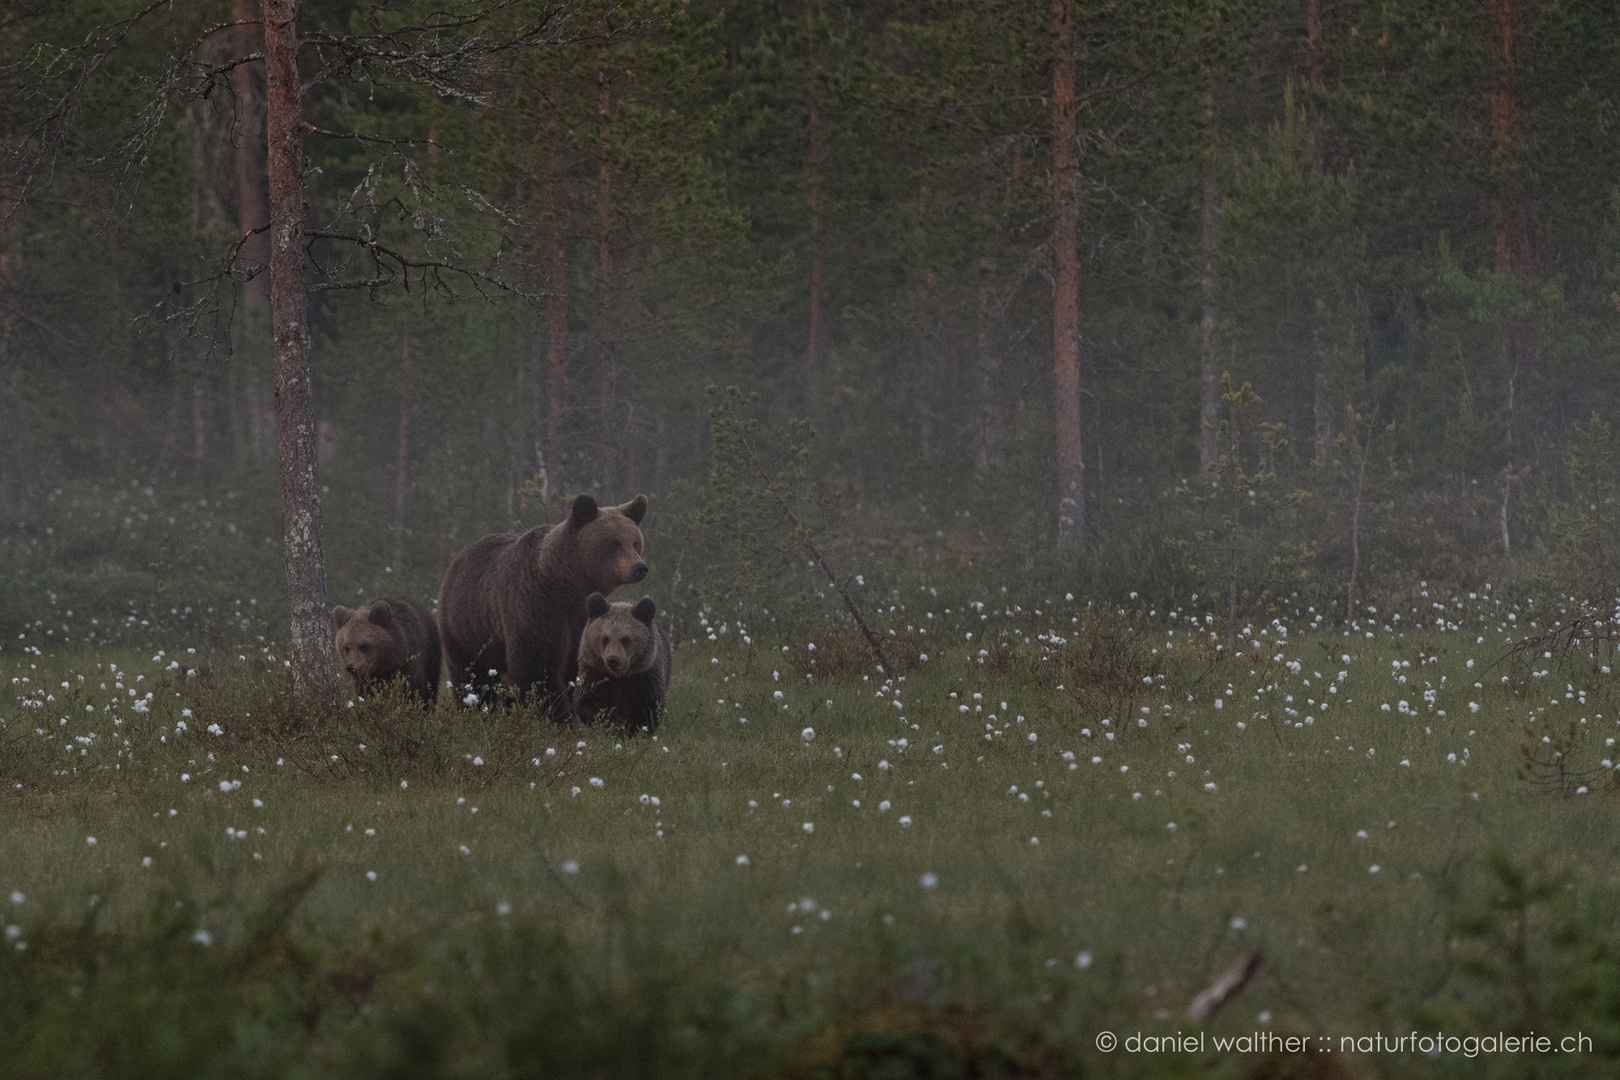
pixel 624 665
pixel 385 638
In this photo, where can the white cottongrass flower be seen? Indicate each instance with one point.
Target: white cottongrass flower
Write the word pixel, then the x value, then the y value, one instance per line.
pixel 371 875
pixel 742 860
pixel 570 866
pixel 202 937
pixel 905 821
pixel 595 782
pixel 90 840
pixel 882 806
pixel 808 733
pixel 1083 961
pixel 809 826
pixel 930 880
pixel 1374 868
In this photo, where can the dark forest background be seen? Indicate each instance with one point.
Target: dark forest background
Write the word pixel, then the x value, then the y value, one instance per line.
pixel 1397 222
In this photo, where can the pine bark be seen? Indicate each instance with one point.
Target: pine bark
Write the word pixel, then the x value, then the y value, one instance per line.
pixel 296 434
pixel 248 138
pixel 606 328
pixel 1071 463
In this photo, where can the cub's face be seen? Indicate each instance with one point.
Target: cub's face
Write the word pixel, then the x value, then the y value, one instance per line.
pixel 368 652
pixel 618 640
pixel 609 542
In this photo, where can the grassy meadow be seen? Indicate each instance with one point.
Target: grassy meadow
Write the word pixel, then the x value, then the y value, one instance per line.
pixel 1049 820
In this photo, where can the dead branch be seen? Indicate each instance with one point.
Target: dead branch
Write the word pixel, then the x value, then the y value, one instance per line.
pixel 1232 980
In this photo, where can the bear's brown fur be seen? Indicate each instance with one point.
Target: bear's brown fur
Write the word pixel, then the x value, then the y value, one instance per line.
pixel 512 607
pixel 624 665
pixel 385 638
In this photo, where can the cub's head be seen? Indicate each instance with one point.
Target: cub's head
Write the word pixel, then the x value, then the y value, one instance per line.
pixel 608 542
pixel 368 644
pixel 619 640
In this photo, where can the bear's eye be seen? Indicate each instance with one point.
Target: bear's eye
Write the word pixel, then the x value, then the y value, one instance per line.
pixel 625 641
pixel 607 640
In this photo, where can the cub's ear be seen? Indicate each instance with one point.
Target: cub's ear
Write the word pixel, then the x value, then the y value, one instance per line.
pixel 341 615
pixel 645 609
pixel 379 615
pixel 596 605
pixel 635 509
pixel 584 511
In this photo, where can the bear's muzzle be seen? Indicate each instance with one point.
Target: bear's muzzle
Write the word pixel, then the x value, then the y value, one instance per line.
pixel 639 572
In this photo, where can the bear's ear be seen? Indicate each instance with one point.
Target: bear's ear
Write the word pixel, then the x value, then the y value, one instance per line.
pixel 597 605
pixel 635 509
pixel 584 511
pixel 645 609
pixel 341 615
pixel 379 615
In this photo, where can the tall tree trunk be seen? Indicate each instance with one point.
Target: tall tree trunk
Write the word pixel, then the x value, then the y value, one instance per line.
pixel 401 472
pixel 1209 411
pixel 1322 408
pixel 296 440
pixel 1313 43
pixel 1511 210
pixel 813 171
pixel 1071 462
pixel 248 139
pixel 606 330
pixel 556 283
pixel 199 412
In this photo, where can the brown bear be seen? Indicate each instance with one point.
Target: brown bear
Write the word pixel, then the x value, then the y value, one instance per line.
pixel 385 638
pixel 624 664
pixel 512 607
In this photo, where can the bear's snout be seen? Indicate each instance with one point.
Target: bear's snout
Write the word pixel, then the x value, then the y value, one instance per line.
pixel 613 662
pixel 639 572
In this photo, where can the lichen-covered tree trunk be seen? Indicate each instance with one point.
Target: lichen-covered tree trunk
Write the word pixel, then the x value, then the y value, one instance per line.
pixel 296 436
pixel 1071 462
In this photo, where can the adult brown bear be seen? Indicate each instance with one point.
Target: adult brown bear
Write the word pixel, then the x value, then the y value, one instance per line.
pixel 511 608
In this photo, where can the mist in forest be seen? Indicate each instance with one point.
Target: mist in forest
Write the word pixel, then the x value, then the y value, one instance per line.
pixel 1253 299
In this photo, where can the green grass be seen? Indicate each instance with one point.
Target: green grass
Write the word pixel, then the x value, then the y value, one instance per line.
pixel 515 923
